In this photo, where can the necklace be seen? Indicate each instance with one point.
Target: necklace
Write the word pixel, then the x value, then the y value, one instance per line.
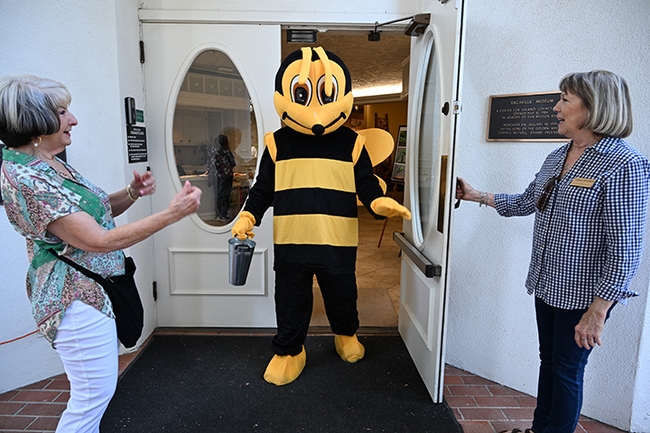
pixel 62 170
pixel 57 166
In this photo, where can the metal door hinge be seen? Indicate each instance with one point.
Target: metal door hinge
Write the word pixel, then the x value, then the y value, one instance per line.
pixel 457 107
pixel 141 51
pixel 155 291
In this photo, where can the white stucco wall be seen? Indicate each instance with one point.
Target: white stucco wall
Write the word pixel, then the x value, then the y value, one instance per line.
pixel 91 47
pixel 518 47
pixel 130 73
pixel 641 399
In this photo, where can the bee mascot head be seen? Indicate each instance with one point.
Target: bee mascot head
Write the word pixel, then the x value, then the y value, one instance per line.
pixel 313 91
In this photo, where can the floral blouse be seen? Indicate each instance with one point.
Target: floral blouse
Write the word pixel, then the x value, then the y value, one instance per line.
pixel 220 162
pixel 34 196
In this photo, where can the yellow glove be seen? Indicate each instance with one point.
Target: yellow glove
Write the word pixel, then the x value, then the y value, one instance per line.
pixel 243 227
pixel 386 206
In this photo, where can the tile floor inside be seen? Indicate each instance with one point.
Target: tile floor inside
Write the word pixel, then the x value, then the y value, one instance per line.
pixel 481 406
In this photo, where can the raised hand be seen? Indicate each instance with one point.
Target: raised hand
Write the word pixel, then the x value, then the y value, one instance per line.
pixel 143 184
pixel 187 201
pixel 386 206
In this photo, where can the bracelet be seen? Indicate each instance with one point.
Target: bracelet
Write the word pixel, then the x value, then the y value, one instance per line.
pixel 482 199
pixel 129 192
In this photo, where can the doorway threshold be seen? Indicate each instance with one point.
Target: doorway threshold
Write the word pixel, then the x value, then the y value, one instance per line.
pixel 261 332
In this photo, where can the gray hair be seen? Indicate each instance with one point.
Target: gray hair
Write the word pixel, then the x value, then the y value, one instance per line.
pixel 606 97
pixel 29 107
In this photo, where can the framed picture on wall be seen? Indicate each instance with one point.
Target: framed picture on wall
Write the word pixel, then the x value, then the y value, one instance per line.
pixel 399 164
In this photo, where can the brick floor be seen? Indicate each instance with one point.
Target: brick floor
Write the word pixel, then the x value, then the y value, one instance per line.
pixel 482 406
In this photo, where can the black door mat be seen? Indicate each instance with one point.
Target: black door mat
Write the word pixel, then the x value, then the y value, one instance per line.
pixel 182 383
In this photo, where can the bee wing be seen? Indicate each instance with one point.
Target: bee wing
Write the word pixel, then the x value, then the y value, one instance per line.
pixel 379 144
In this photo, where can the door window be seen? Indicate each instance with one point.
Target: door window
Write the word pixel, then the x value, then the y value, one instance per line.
pixel 215 136
pixel 428 140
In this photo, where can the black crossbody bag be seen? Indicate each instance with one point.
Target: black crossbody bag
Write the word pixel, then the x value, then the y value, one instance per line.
pixel 123 293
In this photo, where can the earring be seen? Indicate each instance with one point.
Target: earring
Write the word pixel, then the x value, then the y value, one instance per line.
pixel 39 141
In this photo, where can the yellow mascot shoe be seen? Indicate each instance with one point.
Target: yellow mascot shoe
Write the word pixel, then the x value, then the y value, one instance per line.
pixel 285 369
pixel 349 348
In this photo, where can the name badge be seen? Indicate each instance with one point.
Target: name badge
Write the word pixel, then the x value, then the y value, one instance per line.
pixel 583 182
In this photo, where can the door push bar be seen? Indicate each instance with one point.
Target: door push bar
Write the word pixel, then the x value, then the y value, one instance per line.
pixel 428 269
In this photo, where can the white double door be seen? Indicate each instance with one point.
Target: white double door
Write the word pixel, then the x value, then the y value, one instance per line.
pixel 191 257
pixel 189 70
pixel 434 107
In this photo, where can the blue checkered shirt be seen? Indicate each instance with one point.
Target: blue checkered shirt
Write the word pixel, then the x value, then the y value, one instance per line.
pixel 588 241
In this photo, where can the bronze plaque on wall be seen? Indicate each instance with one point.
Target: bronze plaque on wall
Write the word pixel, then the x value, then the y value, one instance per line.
pixel 523 117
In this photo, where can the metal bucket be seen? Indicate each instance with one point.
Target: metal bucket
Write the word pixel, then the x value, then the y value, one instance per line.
pixel 240 254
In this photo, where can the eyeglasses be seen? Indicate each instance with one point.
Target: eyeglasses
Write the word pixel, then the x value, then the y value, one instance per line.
pixel 542 200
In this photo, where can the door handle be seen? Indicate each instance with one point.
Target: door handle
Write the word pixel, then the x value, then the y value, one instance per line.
pixel 429 269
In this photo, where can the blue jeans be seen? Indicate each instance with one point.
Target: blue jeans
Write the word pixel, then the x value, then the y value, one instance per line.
pixel 561 370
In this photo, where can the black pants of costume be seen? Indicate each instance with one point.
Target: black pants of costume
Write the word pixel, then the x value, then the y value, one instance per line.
pixel 294 301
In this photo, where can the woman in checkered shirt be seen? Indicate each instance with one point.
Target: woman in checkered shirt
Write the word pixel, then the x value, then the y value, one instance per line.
pixel 590 201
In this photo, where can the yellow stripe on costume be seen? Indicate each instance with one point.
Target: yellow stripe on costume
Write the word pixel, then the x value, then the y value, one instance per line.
pixel 269 142
pixel 358 147
pixel 316 229
pixel 314 173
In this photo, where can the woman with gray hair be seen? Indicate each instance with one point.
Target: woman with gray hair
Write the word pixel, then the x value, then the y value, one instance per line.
pixel 590 201
pixel 58 210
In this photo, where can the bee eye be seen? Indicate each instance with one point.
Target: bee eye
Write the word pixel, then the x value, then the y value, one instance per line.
pixel 300 92
pixel 300 95
pixel 323 97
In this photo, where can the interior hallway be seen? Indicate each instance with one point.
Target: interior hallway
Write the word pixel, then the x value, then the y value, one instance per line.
pixel 481 406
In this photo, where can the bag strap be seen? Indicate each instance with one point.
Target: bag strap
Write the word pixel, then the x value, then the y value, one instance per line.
pixel 87 272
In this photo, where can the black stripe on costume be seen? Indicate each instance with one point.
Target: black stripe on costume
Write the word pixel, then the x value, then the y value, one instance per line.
pixel 337 260
pixel 315 201
pixel 337 145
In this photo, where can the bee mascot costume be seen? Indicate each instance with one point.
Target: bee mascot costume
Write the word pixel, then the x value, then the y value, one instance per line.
pixel 312 171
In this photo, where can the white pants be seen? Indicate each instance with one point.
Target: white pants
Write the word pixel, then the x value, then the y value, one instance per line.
pixel 86 342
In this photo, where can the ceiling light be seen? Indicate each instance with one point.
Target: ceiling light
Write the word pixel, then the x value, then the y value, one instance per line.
pixel 377 91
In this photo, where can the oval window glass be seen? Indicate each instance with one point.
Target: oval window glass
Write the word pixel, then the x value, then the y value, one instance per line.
pixel 428 144
pixel 215 136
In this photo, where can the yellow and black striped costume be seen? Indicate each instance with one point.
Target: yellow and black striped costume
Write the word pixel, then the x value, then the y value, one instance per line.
pixel 312 182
